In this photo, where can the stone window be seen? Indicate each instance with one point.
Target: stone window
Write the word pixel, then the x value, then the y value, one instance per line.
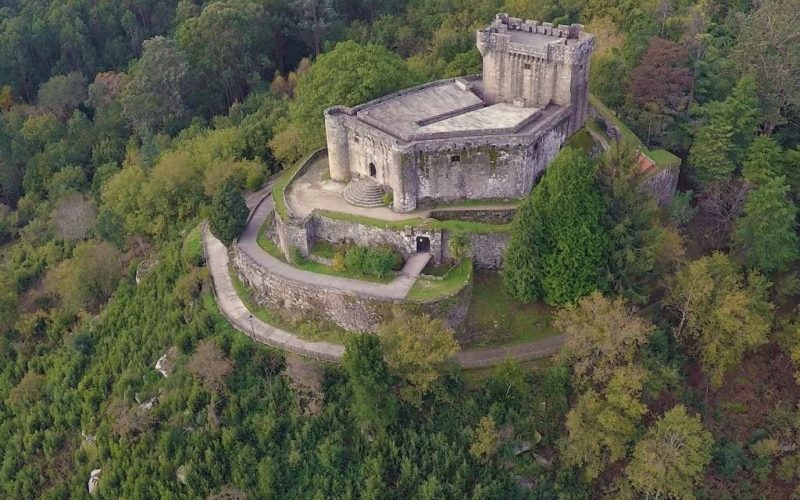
pixel 356 139
pixel 526 66
pixel 536 147
pixel 455 158
pixel 372 170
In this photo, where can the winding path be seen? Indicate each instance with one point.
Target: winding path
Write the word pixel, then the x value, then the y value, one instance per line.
pixel 234 310
pixel 396 289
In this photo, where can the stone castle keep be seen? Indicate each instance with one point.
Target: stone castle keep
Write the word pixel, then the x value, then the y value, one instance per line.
pixel 472 138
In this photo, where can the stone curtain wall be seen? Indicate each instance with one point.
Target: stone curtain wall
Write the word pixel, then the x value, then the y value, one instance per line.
pixel 663 184
pixel 350 310
pixel 487 249
pixel 490 167
pixel 403 240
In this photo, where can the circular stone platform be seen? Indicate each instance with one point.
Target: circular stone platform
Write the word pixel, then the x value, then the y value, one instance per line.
pixel 364 192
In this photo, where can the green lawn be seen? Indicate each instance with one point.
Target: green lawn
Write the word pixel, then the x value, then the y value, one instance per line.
pixel 425 290
pixel 496 318
pixel 306 329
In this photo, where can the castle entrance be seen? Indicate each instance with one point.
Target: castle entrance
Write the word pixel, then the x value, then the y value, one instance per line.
pixel 423 244
pixel 372 170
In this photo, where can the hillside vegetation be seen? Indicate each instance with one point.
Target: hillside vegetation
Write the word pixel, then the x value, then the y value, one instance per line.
pixel 124 124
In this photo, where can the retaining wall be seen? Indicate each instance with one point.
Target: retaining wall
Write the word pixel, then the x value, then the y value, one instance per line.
pixel 350 310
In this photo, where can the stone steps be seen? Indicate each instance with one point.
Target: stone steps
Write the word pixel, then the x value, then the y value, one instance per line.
pixel 364 193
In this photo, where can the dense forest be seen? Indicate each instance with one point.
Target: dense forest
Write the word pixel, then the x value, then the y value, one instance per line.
pixel 122 122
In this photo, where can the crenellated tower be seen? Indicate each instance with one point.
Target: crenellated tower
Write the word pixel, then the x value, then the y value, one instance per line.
pixel 534 64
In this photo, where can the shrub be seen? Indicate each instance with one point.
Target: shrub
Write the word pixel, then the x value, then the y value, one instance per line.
pixel 372 261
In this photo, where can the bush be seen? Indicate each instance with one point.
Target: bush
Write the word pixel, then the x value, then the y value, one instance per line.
pixel 372 261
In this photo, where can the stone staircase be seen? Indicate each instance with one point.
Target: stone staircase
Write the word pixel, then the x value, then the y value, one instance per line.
pixel 364 192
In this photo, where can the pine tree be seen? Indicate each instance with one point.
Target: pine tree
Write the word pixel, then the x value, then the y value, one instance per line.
pixel 762 161
pixel 710 152
pixel 766 235
pixel 558 246
pixel 228 213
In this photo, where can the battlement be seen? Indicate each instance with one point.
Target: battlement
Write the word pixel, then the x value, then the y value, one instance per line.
pixel 530 38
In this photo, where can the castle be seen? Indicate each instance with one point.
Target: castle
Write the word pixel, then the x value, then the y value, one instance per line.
pixel 472 138
pixel 417 170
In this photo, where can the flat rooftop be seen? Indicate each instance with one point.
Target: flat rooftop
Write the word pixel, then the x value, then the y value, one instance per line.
pixel 538 40
pixel 446 109
pixel 496 116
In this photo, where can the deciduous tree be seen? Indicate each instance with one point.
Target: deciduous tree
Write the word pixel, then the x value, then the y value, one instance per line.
pixel 602 426
pixel 670 460
pixel 720 314
pixel 601 335
pixel 74 217
pixel 347 75
pixel 417 348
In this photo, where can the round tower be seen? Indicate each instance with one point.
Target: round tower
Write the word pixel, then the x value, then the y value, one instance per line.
pixel 338 145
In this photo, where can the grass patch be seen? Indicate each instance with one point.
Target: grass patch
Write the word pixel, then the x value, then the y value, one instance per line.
pixel 496 318
pixel 192 249
pixel 315 267
pixel 433 224
pixel 323 248
pixel 582 140
pixel 663 158
pixel 306 329
pixel 432 270
pixel 267 244
pixel 425 290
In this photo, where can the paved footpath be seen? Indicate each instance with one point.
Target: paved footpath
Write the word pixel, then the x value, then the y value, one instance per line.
pixel 395 290
pixel 239 316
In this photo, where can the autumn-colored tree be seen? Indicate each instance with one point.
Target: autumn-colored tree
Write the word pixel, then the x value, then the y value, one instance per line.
pixel 74 217
pixel 210 365
pixel 602 426
pixel 720 314
pixel 659 84
pixel 417 348
pixel 722 204
pixel 661 76
pixel 670 459
pixel 601 335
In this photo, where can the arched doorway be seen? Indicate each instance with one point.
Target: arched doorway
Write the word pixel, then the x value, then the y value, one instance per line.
pixel 372 170
pixel 423 244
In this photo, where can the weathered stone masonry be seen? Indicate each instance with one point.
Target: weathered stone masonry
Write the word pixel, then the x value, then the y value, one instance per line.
pixel 350 310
